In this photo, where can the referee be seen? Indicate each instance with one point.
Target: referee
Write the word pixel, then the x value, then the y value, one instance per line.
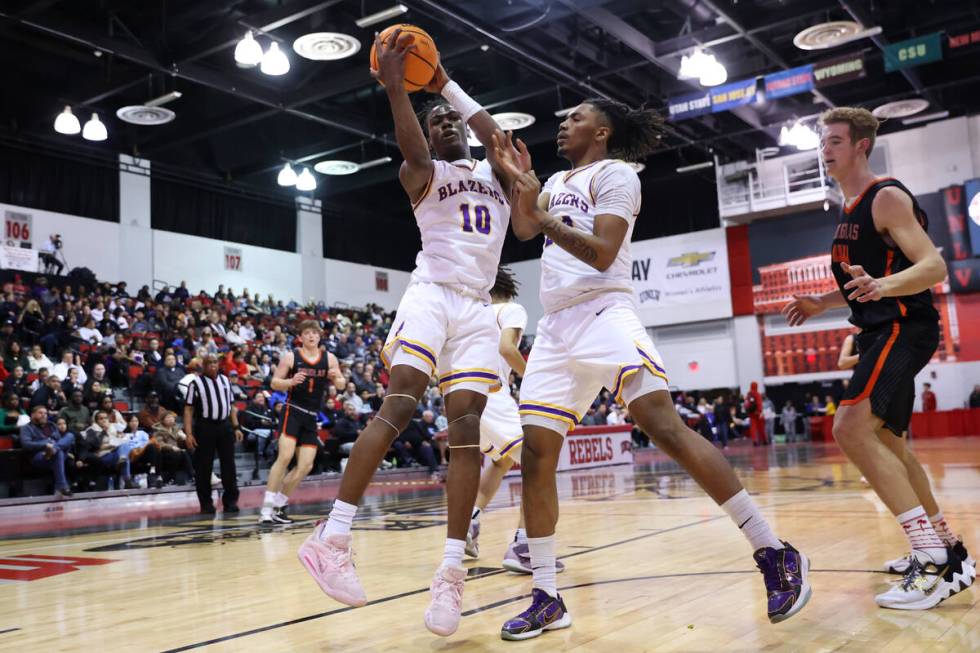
pixel 208 407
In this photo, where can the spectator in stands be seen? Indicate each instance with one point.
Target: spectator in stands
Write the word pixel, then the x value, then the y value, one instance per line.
pixel 102 443
pixel 140 325
pixel 615 418
pixel 788 417
pixel 139 453
pixel 166 380
pixel 36 360
pixel 415 443
pixel 89 333
pixel 48 452
pixel 42 379
pixel 376 398
pixel 152 355
pixel 69 360
pixel 98 376
pixel 235 360
pixel 14 355
pixel 237 392
pixel 343 349
pixel 361 380
pixel 117 423
pixel 350 395
pixel 176 464
pixel 30 323
pixel 830 408
pixel 975 397
pixel 928 398
pixel 233 336
pixel 87 464
pixel 181 294
pixel 207 342
pixel 17 383
pixel 347 428
pixel 76 414
pixel 722 421
pixel 247 331
pixel 11 415
pixel 258 420
pixel 152 413
pixel 49 395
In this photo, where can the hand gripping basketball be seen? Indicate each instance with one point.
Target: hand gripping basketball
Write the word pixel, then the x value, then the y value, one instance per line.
pixel 404 55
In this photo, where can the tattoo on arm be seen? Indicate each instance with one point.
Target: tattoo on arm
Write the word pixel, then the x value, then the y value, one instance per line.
pixel 571 240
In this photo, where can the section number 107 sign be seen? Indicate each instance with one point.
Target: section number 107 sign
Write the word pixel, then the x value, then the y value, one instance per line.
pixel 233 258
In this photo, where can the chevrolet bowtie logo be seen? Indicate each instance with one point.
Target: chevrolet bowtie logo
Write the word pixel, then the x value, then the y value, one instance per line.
pixel 691 259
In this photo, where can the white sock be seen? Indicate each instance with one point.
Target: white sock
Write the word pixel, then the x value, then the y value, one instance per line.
pixel 340 520
pixel 452 554
pixel 942 529
pixel 542 551
pixel 281 500
pixel 476 515
pixel 921 535
pixel 268 502
pixel 745 513
pixel 520 536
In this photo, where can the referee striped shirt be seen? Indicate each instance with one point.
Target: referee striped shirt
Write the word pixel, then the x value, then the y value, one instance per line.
pixel 211 398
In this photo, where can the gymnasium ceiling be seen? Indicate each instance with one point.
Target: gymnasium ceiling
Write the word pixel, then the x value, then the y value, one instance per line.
pixel 237 126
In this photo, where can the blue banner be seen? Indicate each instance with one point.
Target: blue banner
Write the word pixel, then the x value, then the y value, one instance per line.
pixel 690 105
pixel 789 82
pixel 729 96
pixel 972 189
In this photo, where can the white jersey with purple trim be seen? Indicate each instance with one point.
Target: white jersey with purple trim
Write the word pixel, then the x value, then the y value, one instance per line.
pixel 576 197
pixel 510 315
pixel 463 216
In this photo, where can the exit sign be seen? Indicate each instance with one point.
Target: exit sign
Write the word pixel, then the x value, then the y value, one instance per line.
pixel 913 52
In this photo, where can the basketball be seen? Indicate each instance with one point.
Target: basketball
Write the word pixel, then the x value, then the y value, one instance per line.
pixel 420 64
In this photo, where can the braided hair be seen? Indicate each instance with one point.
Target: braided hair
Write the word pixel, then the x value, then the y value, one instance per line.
pixel 506 285
pixel 635 132
pixel 427 108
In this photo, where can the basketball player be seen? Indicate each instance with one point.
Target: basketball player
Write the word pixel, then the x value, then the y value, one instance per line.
pixel 591 337
pixel 444 326
pixel 303 374
pixel 885 264
pixel 500 425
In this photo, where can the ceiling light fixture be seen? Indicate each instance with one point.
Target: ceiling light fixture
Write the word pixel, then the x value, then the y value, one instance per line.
pixel 94 130
pixel 287 176
pixel 513 120
pixel 326 46
pixel 799 136
pixel 274 61
pixel 375 162
pixel 696 166
pixel 306 180
pixel 561 113
pixel 248 52
pixel 381 16
pixel 938 115
pixel 714 73
pixel 703 67
pixel 67 123
pixel 336 168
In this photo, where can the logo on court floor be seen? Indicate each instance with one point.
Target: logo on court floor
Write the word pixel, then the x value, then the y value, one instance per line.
pixel 690 259
pixel 32 567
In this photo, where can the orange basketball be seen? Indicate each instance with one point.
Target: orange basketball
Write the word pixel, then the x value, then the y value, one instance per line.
pixel 420 63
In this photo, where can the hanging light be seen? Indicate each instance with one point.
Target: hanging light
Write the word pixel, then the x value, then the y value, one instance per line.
pixel 248 52
pixel 713 73
pixel 94 130
pixel 67 123
pixel 799 136
pixel 274 61
pixel 287 176
pixel 693 65
pixel 306 180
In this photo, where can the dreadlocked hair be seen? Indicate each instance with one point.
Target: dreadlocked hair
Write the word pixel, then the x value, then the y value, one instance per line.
pixel 427 108
pixel 506 285
pixel 635 132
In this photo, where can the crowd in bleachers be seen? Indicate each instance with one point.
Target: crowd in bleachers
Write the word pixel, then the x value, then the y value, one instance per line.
pixel 93 378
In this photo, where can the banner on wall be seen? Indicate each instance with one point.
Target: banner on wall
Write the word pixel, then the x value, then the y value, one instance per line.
pixel 730 96
pixel 788 82
pixel 689 106
pixel 233 258
pixel 964 276
pixel 954 207
pixel 17 229
pixel 972 189
pixel 18 258
pixel 841 69
pixel 913 52
pixel 682 278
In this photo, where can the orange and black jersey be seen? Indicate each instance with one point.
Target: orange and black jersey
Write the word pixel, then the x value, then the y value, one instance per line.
pixel 309 394
pixel 857 242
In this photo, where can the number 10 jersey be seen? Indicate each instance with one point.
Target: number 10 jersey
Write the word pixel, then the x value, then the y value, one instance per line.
pixel 463 216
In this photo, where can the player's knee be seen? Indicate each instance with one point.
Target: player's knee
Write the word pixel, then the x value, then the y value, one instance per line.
pixel 398 411
pixel 305 468
pixel 465 430
pixel 847 434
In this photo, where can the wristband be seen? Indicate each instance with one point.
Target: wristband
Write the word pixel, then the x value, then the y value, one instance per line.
pixel 461 101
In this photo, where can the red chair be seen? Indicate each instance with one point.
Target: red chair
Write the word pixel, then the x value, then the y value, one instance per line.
pixel 135 372
pixel 122 406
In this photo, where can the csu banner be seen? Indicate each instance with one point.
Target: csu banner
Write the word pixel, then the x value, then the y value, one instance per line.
pixel 682 278
pixel 972 188
pixel 788 82
pixel 913 52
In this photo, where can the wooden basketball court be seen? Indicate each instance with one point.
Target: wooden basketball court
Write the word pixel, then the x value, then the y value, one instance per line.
pixel 652 565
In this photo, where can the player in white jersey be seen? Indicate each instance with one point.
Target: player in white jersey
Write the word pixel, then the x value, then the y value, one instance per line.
pixel 500 426
pixel 444 326
pixel 591 336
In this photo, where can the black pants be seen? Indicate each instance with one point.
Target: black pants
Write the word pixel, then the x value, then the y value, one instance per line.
pixel 176 465
pixel 51 263
pixel 211 437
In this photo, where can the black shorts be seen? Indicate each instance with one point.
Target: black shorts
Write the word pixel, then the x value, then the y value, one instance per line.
pixel 890 357
pixel 301 426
